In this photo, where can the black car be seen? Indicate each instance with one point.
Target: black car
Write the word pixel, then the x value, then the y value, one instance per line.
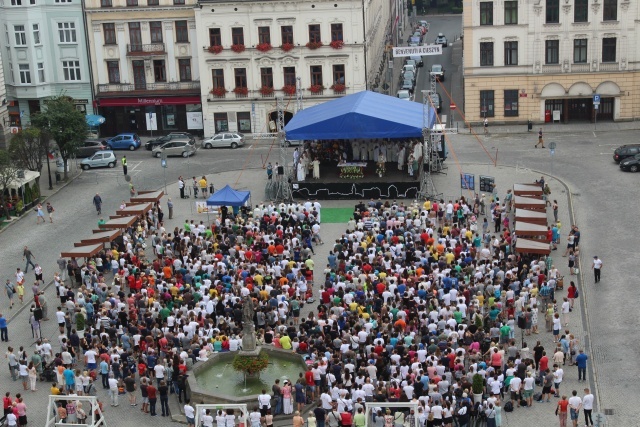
pixel 631 164
pixel 625 151
pixel 153 143
pixel 89 148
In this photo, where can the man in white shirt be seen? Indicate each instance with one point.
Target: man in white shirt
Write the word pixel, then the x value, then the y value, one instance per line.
pixel 587 406
pixel 575 403
pixel 514 386
pixel 190 414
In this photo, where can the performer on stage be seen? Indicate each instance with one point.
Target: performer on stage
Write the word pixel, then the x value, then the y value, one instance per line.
pixel 300 171
pixel 316 168
pixel 401 157
pixel 382 160
pixel 410 164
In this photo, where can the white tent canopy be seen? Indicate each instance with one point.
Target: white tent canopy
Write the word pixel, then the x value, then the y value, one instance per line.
pixel 29 177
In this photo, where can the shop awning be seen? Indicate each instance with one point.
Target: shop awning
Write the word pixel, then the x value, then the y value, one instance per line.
pixel 29 177
pixel 527 190
pixel 147 196
pixel 534 217
pixel 120 222
pixel 101 237
pixel 527 229
pixel 134 209
pixel 526 246
pixel 165 100
pixel 85 251
pixel 533 203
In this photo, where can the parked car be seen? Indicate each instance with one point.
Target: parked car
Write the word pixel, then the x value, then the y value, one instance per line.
pixel 631 164
pixel 435 98
pixel 438 71
pixel 99 159
pixel 224 139
pixel 89 148
pixel 407 84
pixel 293 142
pixel 124 141
pixel 177 147
pixel 152 143
pixel 404 95
pixel 410 75
pixel 441 39
pixel 409 67
pixel 625 151
pixel 418 60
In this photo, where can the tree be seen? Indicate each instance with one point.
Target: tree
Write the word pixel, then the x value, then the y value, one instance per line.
pixel 66 125
pixel 8 173
pixel 29 148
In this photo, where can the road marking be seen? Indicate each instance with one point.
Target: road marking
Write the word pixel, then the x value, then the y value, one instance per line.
pixel 594 134
pixel 608 145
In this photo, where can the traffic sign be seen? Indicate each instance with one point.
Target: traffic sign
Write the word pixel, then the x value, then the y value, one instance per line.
pixel 453 106
pixel 596 99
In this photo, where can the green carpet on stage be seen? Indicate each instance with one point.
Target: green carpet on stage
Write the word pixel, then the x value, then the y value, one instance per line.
pixel 336 215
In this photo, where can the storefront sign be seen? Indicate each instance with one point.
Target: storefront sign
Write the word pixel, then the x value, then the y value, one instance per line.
pixel 152 123
pixel 432 49
pixel 194 120
pixel 172 100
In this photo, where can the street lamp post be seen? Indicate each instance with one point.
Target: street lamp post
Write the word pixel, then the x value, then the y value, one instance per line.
pixel 49 170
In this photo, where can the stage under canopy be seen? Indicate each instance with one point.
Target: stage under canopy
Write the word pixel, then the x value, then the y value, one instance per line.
pixel 394 184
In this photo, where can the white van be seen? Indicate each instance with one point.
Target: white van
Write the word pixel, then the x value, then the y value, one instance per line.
pixel 409 67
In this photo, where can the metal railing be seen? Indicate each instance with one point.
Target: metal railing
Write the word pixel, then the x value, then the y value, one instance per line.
pixel 609 66
pixel 162 86
pixel 580 68
pixel 145 48
pixel 555 69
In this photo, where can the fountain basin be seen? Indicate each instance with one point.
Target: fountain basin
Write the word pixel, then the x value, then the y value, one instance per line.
pixel 215 381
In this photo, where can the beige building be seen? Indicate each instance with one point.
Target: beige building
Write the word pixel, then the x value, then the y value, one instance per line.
pixel 144 60
pixel 545 60
pixel 251 52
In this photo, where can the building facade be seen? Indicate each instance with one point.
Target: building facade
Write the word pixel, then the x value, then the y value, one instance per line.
pixel 4 112
pixel 252 52
pixel 144 59
pixel 545 60
pixel 44 55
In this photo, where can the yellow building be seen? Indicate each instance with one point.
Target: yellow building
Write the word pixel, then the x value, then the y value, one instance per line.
pixel 544 60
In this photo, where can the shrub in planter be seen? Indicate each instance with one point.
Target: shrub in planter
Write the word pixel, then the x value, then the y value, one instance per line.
pixel 477 384
pixel 338 88
pixel 316 88
pixel 264 47
pixel 266 90
pixel 314 45
pixel 289 89
pixel 215 49
pixel 336 44
pixel 251 365
pixel 240 90
pixel 287 47
pixel 238 48
pixel 218 91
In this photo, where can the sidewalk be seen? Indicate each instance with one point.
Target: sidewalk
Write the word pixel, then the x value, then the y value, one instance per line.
pixel 549 128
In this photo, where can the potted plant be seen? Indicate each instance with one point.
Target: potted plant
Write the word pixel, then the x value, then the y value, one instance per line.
pixel 251 365
pixel 338 88
pixel 336 44
pixel 215 49
pixel 266 90
pixel 289 89
pixel 314 45
pixel 218 92
pixel 237 48
pixel 19 207
pixel 316 88
pixel 286 47
pixel 80 322
pixel 264 47
pixel 477 386
pixel 240 91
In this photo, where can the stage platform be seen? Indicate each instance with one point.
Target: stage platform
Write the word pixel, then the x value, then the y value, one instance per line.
pixel 394 184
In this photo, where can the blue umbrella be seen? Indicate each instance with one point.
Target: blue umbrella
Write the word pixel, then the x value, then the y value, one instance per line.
pixel 95 120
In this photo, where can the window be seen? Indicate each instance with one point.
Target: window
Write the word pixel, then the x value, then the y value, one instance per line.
pixel 182 32
pixel 289 76
pixel 609 49
pixel 159 70
pixel 184 68
pixel 552 52
pixel 581 11
pixel 67 32
pixel 215 38
pixel 486 103
pixel 109 33
pixel 113 70
pixel 36 34
pixel 237 35
pixel 155 28
pixel 21 35
pixel 153 2
pixel 240 75
pixel 510 12
pixel 510 53
pixel 106 3
pixel 511 103
pixel 63 1
pixel 286 32
pixel 264 35
pixel 610 10
pixel 25 74
pixel 580 51
pixel 336 32
pixel 11 79
pixel 178 2
pixel 266 77
pixel 314 33
pixel 218 78
pixel 486 53
pixel 553 11
pixel 244 121
pixel 338 74
pixel 132 2
pixel 316 75
pixel 16 2
pixel 486 13
pixel 41 72
pixel 71 70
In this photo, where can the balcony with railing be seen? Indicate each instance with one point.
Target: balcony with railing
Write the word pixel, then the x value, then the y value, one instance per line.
pixel 609 66
pixel 552 69
pixel 261 94
pixel 145 49
pixel 186 87
pixel 580 68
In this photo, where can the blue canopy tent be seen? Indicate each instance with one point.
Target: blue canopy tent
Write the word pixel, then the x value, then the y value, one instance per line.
pixel 365 115
pixel 227 196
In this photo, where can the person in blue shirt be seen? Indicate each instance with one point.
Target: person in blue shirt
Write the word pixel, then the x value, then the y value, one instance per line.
pixel 69 379
pixel 4 335
pixel 581 361
pixel 104 372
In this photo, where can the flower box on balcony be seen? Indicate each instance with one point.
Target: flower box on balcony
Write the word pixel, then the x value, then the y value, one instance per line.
pixel 266 90
pixel 238 48
pixel 264 47
pixel 215 49
pixel 336 44
pixel 286 47
pixel 289 89
pixel 314 45
pixel 218 92
pixel 338 88
pixel 316 88
pixel 240 91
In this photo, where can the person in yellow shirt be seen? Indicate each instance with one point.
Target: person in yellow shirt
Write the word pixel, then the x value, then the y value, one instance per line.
pixel 449 257
pixel 285 342
pixel 203 186
pixel 258 279
pixel 427 205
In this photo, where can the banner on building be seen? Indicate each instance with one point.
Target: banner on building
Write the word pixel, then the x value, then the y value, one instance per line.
pixel 430 49
pixel 152 122
pixel 194 120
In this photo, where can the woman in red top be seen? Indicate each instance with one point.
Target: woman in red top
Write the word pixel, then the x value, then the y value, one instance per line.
pixel 561 411
pixel 571 292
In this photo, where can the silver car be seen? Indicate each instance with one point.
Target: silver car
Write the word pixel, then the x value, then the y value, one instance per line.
pixel 100 159
pixel 224 139
pixel 183 148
